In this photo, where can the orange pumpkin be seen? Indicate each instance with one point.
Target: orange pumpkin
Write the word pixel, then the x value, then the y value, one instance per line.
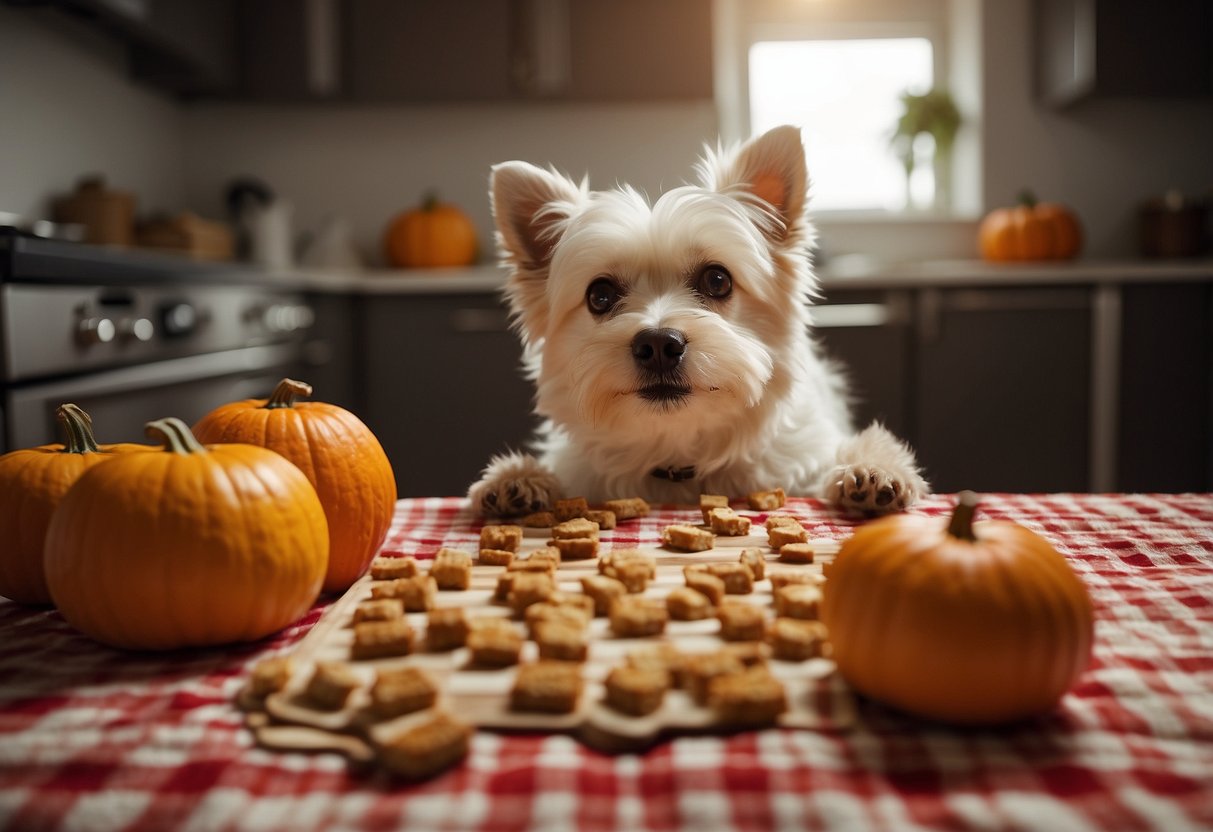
pixel 187 546
pixel 971 623
pixel 32 482
pixel 339 455
pixel 436 234
pixel 1030 231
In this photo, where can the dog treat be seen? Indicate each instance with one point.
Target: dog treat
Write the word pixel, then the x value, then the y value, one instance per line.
pixel 576 548
pixel 725 521
pixel 571 508
pixel 741 622
pixel 389 569
pixel 685 604
pixel 495 557
pixel 576 528
pixel 416 593
pixel 331 684
pixel 382 609
pixel 270 675
pixel 749 653
pixel 609 561
pixel 753 697
pixel 603 590
pixel 794 641
pixel 738 579
pixel 402 690
pixel 767 500
pixel 755 561
pixel 561 640
pixel 573 600
pixel 704 582
pixel 426 749
pixel 538 520
pixel 786 577
pixel 781 536
pixel 707 502
pixel 796 553
pixel 452 569
pixel 634 616
pixel 545 686
pixel 540 560
pixel 380 639
pixel 701 668
pixel 446 629
pixel 798 601
pixel 688 538
pixel 627 509
pixel 663 657
pixel 508 538
pixel 574 615
pixel 530 588
pixel 494 642
pixel 776 520
pixel 604 518
pixel 636 691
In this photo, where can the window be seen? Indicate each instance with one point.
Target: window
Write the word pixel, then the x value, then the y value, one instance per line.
pixel 845 95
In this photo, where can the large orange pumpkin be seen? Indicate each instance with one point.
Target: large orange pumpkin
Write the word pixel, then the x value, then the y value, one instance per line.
pixel 32 482
pixel 436 234
pixel 958 621
pixel 1030 231
pixel 339 455
pixel 187 546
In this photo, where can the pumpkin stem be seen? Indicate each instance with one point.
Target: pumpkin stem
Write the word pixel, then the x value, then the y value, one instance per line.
pixel 961 526
pixel 429 201
pixel 1027 198
pixel 175 435
pixel 78 428
pixel 286 392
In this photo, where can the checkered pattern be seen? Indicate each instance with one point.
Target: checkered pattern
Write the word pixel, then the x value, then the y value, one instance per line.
pixel 97 739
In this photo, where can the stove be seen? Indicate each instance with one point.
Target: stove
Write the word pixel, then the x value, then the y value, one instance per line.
pixel 132 336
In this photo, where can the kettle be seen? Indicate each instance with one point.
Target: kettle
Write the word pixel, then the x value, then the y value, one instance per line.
pixel 264 223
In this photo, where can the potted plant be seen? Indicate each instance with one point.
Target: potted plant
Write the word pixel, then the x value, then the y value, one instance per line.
pixel 935 114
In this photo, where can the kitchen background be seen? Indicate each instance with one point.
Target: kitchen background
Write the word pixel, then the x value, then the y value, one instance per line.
pixel 1095 374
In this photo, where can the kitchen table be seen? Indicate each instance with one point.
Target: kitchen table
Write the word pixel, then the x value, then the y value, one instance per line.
pixel 93 738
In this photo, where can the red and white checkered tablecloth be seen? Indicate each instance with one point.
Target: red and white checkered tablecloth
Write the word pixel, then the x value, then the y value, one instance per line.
pixel 92 738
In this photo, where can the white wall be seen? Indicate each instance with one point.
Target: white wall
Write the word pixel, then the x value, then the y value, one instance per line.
pixel 67 109
pixel 368 163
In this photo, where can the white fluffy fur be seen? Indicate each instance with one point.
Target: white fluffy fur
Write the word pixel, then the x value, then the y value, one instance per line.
pixel 766 409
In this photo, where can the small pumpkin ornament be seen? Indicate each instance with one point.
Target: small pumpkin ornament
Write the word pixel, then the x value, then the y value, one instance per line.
pixel 434 235
pixel 962 622
pixel 338 454
pixel 187 546
pixel 32 482
pixel 1030 230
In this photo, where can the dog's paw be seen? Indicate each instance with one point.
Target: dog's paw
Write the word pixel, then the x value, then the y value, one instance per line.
pixel 513 485
pixel 867 489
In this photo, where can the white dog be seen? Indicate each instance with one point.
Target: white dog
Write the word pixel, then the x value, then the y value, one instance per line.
pixel 670 343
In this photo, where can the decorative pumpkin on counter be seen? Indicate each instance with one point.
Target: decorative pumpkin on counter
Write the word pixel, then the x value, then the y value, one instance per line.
pixel 32 482
pixel 339 455
pixel 187 546
pixel 436 234
pixel 971 623
pixel 1030 231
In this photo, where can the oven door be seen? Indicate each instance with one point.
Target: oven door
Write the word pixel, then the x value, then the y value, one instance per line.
pixel 122 401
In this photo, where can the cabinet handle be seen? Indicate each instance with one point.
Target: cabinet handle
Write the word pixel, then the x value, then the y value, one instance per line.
pixel 893 312
pixel 479 320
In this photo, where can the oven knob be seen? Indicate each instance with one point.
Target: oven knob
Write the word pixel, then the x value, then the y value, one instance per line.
pixel 178 319
pixel 136 329
pixel 95 331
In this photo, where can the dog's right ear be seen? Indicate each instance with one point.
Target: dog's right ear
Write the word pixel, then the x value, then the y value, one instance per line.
pixel 531 208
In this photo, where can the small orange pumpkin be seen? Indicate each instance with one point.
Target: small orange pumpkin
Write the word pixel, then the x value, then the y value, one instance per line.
pixel 32 482
pixel 972 623
pixel 339 455
pixel 1030 231
pixel 187 546
pixel 436 234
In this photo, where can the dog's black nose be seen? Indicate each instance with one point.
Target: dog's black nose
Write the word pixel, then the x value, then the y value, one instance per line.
pixel 658 350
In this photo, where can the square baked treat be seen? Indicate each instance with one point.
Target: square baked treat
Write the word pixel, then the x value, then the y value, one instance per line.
pixel 636 691
pixel 331 684
pixel 793 640
pixel 547 687
pixel 753 697
pixel 767 500
pixel 381 609
pixel 755 561
pixel 741 621
pixel 570 508
pixel 576 528
pixel 381 639
pixel 781 536
pixel 775 520
pixel 576 548
pixel 605 519
pixel 705 583
pixel 426 749
pixel 685 604
pixel 701 668
pixel 561 640
pixel 496 557
pixel 603 591
pixel 538 520
pixel 270 675
pixel 389 569
pixel 662 656
pixel 452 569
pixel 402 690
pixel 416 593
pixel 507 537
pixel 688 538
pixel 801 601
pixel 707 502
pixel 738 579
pixel 796 553
pixel 628 508
pixel 446 629
pixel 634 616
pixel 528 588
pixel 784 577
pixel 573 615
pixel 726 522
pixel 494 642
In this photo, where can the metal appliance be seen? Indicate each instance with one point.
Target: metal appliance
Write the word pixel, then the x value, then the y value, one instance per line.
pixel 133 336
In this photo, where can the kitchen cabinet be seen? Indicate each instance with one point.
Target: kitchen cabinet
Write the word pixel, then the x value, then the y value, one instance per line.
pixel 1123 48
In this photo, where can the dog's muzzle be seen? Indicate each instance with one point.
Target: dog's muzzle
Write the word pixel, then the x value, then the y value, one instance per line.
pixel 658 355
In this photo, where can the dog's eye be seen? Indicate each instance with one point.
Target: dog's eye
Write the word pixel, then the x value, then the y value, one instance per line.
pixel 601 296
pixel 714 282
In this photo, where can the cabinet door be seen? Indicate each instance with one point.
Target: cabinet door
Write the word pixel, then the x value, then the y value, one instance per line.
pixel 1002 392
pixel 444 390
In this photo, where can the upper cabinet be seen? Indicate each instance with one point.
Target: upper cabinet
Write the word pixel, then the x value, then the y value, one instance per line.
pixel 1123 48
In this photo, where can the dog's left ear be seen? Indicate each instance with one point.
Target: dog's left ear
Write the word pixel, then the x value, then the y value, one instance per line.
pixel 772 168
